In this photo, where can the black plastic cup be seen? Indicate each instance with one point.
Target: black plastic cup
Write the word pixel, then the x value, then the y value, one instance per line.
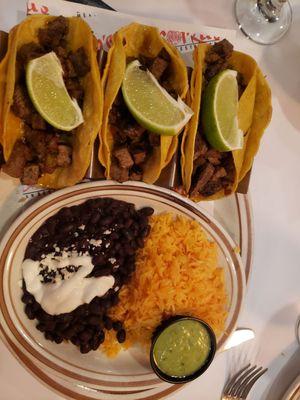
pixel 182 379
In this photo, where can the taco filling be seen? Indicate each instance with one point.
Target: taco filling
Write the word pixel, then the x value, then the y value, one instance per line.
pixel 133 144
pixel 213 170
pixel 43 149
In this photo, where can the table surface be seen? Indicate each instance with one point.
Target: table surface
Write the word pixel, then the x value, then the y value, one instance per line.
pixel 272 302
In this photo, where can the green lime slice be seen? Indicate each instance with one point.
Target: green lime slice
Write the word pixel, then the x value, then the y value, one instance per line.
pixel 150 104
pixel 48 93
pixel 219 112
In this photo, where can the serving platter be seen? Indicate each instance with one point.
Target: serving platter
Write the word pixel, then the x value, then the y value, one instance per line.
pixel 130 372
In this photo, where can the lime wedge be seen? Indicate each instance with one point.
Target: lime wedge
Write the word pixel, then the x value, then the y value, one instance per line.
pixel 150 104
pixel 219 112
pixel 48 93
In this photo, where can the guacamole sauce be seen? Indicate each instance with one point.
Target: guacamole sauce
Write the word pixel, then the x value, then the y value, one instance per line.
pixel 182 348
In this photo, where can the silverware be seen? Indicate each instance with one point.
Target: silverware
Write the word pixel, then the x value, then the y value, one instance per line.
pixel 240 384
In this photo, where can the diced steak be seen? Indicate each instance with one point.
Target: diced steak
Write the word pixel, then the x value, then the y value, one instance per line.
pixel 20 155
pixel 217 58
pixel 37 122
pixel 200 147
pixel 213 156
pixel 119 174
pixel 64 157
pixel 133 131
pixel 49 164
pixel 28 52
pixel 75 89
pixel 54 33
pixel 136 175
pixel 139 156
pixel 22 106
pixel 154 139
pixel 211 188
pixel 124 157
pixel 158 67
pixel 37 141
pixel 80 62
pixel 30 174
pixel 205 175
pixel 219 173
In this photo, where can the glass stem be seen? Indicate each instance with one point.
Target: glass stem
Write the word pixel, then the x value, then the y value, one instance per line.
pixel 270 9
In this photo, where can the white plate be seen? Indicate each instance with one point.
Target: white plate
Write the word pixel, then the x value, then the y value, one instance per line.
pixel 93 375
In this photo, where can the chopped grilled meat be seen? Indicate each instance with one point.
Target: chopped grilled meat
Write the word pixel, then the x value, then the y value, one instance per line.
pixel 20 155
pixel 198 162
pixel 213 156
pixel 136 175
pixel 37 141
pixel 124 157
pixel 37 122
pixel 158 67
pixel 219 173
pixel 52 143
pixel 200 147
pixel 64 157
pixel 211 188
pixel 114 114
pixel 75 89
pixel 28 52
pixel 80 62
pixel 68 68
pixel 217 58
pixel 49 164
pixel 31 174
pixel 133 131
pixel 61 52
pixel 119 174
pixel 54 33
pixel 241 83
pixel 204 176
pixel 154 139
pixel 22 106
pixel 139 156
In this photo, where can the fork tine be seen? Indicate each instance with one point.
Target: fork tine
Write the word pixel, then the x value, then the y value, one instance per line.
pixel 244 382
pixel 244 392
pixel 240 379
pixel 232 380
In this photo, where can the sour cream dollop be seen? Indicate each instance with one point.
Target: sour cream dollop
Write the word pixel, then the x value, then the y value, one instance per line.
pixel 64 295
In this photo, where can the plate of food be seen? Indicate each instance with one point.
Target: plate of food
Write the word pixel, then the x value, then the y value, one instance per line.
pixel 164 274
pixel 93 275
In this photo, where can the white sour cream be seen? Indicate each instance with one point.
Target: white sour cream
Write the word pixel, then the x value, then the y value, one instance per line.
pixel 64 296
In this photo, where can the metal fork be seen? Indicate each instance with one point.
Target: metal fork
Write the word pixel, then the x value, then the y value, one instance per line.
pixel 240 384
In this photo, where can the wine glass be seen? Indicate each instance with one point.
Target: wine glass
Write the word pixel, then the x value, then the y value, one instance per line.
pixel 263 21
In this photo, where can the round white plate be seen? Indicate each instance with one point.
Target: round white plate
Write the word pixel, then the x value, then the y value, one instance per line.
pixel 93 376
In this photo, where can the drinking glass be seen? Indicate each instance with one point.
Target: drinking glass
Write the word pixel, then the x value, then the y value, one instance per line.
pixel 263 21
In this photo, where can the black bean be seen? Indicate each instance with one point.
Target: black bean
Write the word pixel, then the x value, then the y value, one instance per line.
pixel 114 300
pixel 27 298
pixel 102 271
pixel 99 260
pixel 95 218
pixel 75 340
pixel 41 327
pixel 145 232
pixel 49 336
pixel 147 211
pixel 94 320
pixel 58 339
pixel 85 348
pixel 29 311
pixel 108 323
pixel 67 228
pixel 117 325
pixel 85 336
pixel 121 336
pixel 106 220
pixel 68 333
pixel 78 327
pixel 140 242
pixel 50 325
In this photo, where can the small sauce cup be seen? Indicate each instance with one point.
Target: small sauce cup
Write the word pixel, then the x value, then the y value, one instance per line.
pixel 182 349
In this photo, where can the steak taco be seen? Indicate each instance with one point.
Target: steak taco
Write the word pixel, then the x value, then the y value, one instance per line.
pixel 130 151
pixel 35 149
pixel 207 172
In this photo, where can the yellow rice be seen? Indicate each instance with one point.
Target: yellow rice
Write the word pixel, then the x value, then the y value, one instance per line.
pixel 176 273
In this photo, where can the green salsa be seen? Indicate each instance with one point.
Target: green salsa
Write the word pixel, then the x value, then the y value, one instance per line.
pixel 182 348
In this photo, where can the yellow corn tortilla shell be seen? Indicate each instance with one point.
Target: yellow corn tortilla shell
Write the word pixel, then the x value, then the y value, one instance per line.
pixel 133 41
pixel 254 113
pixel 79 35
